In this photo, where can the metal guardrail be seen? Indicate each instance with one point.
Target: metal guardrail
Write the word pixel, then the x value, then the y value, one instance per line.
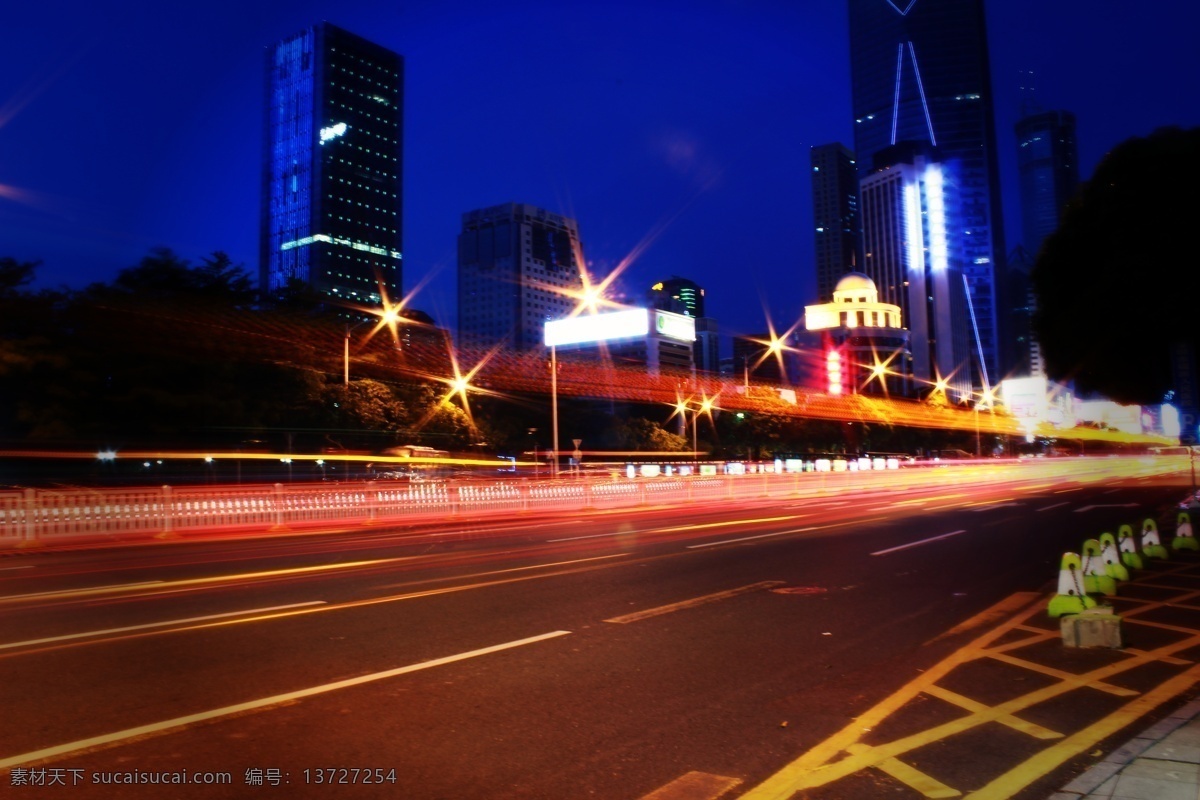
pixel 39 517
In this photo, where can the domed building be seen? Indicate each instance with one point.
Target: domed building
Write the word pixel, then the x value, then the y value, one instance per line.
pixel 865 345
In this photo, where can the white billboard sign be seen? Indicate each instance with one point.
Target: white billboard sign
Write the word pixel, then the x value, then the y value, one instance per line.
pixel 626 324
pixel 675 326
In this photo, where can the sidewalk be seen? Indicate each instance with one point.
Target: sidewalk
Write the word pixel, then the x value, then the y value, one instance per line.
pixel 1161 763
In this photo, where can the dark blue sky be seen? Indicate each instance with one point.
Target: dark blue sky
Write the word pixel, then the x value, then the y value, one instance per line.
pixel 684 126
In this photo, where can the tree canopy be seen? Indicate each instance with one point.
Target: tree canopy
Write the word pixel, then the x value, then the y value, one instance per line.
pixel 1117 282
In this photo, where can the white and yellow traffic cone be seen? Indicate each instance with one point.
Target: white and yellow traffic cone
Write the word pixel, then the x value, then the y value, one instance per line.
pixel 1152 546
pixel 1071 598
pixel 1184 539
pixel 1127 544
pixel 1112 560
pixel 1095 579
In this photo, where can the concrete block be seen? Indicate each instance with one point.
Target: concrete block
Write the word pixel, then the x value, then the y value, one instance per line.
pixel 1095 627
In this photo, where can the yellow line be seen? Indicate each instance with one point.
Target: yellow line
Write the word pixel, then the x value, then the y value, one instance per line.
pixel 1016 723
pixel 726 524
pixel 1065 677
pixel 1052 757
pixel 1009 605
pixel 909 775
pixel 695 601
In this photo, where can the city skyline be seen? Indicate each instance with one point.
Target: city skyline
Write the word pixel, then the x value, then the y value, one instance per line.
pixel 689 152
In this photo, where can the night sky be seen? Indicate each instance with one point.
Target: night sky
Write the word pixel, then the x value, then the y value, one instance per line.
pixel 680 128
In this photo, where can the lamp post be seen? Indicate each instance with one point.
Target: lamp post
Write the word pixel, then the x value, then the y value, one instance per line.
pixel 554 408
pixel 533 436
pixel 388 316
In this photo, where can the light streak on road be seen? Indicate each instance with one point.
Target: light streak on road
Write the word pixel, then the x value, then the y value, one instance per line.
pixel 45 754
pixel 160 624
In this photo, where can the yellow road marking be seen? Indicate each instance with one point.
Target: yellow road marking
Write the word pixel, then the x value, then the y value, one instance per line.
pixel 908 775
pixel 702 526
pixel 1052 757
pixel 1008 605
pixel 694 786
pixel 1016 723
pixel 1065 677
pixel 695 601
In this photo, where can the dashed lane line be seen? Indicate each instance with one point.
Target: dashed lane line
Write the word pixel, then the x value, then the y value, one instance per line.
pixel 108 739
pixel 694 786
pixel 897 548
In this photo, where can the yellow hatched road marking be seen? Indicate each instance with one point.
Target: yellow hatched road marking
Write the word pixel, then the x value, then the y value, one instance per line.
pixel 908 775
pixel 1016 723
pixel 820 765
pixel 1066 677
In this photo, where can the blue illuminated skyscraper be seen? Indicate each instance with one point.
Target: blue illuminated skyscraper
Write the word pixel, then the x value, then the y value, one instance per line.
pixel 920 73
pixel 331 201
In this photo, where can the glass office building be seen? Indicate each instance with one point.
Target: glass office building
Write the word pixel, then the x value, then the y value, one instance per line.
pixel 920 74
pixel 1049 169
pixel 835 215
pixel 331 201
pixel 518 267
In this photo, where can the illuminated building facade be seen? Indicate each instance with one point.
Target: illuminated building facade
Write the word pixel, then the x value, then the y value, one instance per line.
pixel 858 334
pixel 1049 170
pixel 682 296
pixel 920 72
pixel 517 266
pixel 835 214
pixel 913 258
pixel 331 200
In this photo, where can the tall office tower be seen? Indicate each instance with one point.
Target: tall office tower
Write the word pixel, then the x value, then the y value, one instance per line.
pixel 516 265
pixel 835 214
pixel 920 73
pixel 914 258
pixel 1049 169
pixel 678 295
pixel 331 200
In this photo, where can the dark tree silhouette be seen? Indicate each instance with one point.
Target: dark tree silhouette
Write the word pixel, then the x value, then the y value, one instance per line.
pixel 1117 283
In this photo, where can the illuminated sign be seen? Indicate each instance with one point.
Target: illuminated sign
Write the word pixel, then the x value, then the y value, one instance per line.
pixel 675 326
pixel 333 132
pixel 627 324
pixel 833 370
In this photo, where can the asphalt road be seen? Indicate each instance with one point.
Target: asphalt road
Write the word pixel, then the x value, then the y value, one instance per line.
pixel 601 655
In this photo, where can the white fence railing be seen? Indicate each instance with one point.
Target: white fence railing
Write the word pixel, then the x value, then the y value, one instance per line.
pixel 40 516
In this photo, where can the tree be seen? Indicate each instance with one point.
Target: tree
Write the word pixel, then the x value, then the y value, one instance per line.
pixel 1117 281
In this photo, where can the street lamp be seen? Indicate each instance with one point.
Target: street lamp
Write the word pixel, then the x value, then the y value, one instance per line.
pixel 681 408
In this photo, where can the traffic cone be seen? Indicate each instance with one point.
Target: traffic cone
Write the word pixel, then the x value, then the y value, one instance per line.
pixel 1127 544
pixel 1112 560
pixel 1095 579
pixel 1184 540
pixel 1151 545
pixel 1071 599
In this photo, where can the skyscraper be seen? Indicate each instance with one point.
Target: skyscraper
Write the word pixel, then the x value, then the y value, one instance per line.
pixel 1049 170
pixel 331 200
pixel 920 72
pixel 835 215
pixel 913 258
pixel 516 263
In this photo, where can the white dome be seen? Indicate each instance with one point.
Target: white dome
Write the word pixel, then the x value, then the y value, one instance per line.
pixel 855 281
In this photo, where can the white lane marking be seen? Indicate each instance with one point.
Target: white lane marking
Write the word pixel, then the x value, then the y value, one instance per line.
pixel 1056 505
pixel 36 756
pixel 164 623
pixel 693 602
pixel 916 544
pixel 751 538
